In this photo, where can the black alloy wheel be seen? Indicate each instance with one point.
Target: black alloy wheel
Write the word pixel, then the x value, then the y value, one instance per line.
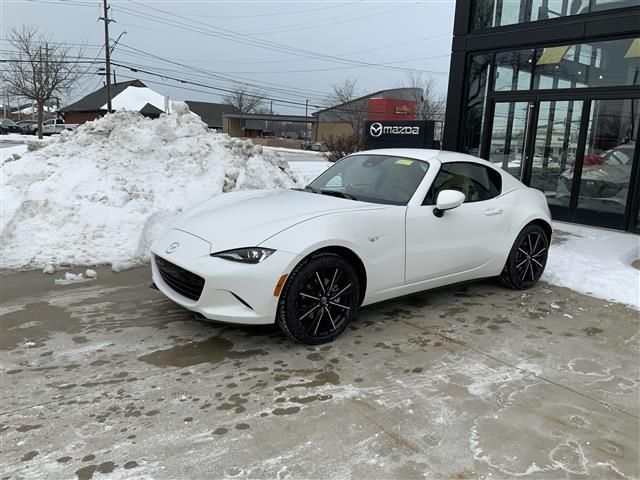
pixel 319 300
pixel 527 259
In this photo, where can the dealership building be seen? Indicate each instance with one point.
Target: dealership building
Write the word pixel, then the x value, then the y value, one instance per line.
pixel 551 92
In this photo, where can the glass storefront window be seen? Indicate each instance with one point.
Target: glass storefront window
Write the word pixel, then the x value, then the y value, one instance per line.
pixel 507 148
pixel 608 157
pixel 513 70
pixel 599 64
pixel 497 13
pixel 477 86
pixel 554 149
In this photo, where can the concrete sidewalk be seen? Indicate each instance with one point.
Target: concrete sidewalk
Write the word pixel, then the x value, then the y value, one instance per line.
pixel 107 379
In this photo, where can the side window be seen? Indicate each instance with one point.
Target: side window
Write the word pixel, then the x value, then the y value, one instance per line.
pixel 477 182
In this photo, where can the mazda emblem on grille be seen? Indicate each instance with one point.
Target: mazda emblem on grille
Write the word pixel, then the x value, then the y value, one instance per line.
pixel 172 248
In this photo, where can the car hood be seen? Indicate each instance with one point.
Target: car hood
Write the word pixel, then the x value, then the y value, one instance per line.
pixel 245 219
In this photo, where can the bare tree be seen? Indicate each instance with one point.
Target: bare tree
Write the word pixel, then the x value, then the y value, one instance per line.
pixel 344 96
pixel 430 105
pixel 38 70
pixel 244 99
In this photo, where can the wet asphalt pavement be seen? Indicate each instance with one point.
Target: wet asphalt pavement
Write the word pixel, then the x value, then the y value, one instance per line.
pixel 108 379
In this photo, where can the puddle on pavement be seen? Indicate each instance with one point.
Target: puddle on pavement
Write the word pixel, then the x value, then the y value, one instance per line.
pixel 211 350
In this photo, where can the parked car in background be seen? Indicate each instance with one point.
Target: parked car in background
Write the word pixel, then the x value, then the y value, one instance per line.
pixel 319 147
pixel 28 127
pixel 605 177
pixel 55 125
pixel 8 126
pixel 306 143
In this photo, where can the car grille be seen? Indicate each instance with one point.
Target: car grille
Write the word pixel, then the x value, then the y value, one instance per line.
pixel 182 281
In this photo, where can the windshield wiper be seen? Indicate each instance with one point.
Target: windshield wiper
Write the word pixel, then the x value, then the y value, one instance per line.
pixel 336 193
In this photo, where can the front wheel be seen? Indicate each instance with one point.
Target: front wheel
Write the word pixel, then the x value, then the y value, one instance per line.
pixel 319 300
pixel 527 259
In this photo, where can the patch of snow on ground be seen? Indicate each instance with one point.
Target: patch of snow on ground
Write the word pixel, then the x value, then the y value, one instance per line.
pixel 308 171
pixel 70 278
pixel 102 193
pixel 10 154
pixel 596 262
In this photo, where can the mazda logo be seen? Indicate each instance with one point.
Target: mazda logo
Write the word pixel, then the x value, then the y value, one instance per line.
pixel 375 129
pixel 172 248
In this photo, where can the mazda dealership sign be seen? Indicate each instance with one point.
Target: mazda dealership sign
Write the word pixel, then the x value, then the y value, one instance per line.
pixel 394 134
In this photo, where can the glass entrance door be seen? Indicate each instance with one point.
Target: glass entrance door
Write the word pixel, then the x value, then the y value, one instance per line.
pixel 554 149
pixel 603 189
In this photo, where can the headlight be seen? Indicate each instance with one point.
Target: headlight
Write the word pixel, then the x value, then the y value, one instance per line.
pixel 245 255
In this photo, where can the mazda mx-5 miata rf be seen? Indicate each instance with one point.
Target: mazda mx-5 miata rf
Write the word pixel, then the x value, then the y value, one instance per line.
pixel 376 225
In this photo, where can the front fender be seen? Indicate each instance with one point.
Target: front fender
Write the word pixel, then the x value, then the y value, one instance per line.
pixel 376 236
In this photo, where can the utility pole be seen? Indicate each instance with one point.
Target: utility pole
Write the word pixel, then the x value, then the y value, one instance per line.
pixel 107 53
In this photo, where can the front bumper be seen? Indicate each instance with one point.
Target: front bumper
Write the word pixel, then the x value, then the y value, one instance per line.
pixel 233 292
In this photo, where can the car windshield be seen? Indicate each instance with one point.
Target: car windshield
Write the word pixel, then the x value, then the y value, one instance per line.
pixel 8 122
pixel 372 178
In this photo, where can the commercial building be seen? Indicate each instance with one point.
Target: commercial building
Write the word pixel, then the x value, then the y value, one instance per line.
pixel 550 90
pixel 390 104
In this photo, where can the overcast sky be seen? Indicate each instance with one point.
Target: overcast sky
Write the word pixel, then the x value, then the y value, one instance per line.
pixel 293 50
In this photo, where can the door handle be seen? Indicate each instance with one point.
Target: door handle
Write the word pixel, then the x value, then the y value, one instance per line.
pixel 489 212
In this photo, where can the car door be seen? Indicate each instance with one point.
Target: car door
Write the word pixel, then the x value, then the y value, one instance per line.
pixel 463 239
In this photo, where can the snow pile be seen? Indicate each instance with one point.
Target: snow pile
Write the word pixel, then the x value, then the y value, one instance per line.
pixel 596 262
pixel 102 193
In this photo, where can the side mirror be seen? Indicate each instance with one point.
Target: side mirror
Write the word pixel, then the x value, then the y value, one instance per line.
pixel 448 200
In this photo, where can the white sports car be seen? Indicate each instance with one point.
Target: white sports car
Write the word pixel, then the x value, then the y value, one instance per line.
pixel 376 225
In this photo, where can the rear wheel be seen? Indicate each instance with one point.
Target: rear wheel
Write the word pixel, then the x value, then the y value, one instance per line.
pixel 319 300
pixel 527 259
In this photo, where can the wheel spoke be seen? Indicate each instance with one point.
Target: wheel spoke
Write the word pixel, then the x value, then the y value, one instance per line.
pixel 533 275
pixel 330 317
pixel 535 245
pixel 324 291
pixel 306 295
pixel 524 272
pixel 522 251
pixel 536 261
pixel 310 312
pixel 341 292
pixel 344 307
pixel 333 280
pixel 521 263
pixel 541 252
pixel 319 320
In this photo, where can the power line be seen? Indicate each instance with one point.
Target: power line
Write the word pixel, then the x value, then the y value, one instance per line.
pixel 226 34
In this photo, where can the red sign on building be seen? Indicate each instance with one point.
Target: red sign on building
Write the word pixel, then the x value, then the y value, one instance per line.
pixel 382 109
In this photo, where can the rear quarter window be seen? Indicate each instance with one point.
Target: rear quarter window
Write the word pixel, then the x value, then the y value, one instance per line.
pixel 477 182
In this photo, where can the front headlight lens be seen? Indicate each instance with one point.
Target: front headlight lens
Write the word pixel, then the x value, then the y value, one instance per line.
pixel 245 255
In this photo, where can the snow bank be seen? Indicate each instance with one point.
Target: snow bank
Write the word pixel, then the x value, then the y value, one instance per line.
pixel 308 171
pixel 102 193
pixel 595 262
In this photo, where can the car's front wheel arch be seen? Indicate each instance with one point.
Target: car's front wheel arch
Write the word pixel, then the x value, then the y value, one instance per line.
pixel 351 257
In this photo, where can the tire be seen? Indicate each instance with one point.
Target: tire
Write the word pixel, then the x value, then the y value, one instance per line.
pixel 319 299
pixel 527 259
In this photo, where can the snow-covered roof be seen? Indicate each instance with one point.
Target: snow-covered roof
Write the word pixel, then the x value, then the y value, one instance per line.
pixel 135 99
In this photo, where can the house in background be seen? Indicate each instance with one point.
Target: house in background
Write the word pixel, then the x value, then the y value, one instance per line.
pixel 211 113
pixel 132 95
